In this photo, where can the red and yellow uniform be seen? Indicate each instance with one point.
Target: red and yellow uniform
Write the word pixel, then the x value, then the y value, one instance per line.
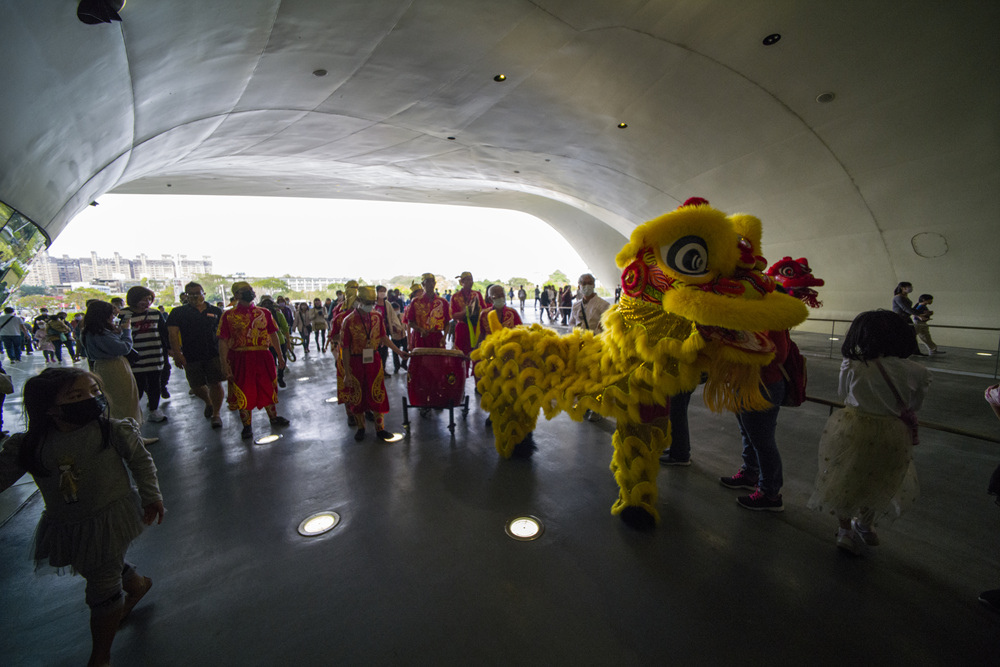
pixel 336 328
pixel 431 313
pixel 247 330
pixel 361 336
pixel 508 320
pixel 466 330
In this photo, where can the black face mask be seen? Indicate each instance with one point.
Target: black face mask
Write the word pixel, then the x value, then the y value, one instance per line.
pixel 85 411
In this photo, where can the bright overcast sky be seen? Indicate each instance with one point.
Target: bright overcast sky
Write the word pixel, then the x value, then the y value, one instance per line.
pixel 322 238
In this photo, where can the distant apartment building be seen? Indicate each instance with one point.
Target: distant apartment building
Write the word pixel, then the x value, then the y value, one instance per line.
pixel 47 271
pixel 309 284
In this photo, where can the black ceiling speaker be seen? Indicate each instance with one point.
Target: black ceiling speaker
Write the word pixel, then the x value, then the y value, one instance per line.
pixel 93 12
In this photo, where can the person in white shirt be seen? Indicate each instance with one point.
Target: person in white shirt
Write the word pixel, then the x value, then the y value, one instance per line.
pixel 586 314
pixel 587 311
pixel 10 334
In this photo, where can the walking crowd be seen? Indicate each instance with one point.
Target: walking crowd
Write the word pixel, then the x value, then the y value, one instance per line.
pixel 84 446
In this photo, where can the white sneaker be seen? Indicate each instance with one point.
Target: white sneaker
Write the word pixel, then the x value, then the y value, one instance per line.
pixel 157 416
pixel 848 540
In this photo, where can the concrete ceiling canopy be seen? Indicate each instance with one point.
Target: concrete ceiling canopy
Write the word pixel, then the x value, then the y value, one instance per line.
pixel 863 127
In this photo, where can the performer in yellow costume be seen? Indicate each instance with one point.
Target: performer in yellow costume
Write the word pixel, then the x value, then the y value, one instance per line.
pixel 694 300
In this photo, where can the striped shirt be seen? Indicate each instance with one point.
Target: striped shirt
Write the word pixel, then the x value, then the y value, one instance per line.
pixel 147 340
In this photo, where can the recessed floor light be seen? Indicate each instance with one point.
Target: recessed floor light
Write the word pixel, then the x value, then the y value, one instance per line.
pixel 985 354
pixel 332 399
pixel 772 39
pixel 319 523
pixel 500 77
pixel 302 379
pixel 826 97
pixel 524 528
pixel 319 72
pixel 396 437
pixel 834 338
pixel 622 126
pixel 267 439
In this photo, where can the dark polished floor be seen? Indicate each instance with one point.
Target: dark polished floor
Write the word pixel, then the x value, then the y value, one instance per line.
pixel 421 572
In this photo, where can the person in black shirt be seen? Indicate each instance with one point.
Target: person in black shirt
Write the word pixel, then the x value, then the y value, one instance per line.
pixel 194 345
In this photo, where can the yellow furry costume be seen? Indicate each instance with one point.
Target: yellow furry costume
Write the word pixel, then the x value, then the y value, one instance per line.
pixel 694 299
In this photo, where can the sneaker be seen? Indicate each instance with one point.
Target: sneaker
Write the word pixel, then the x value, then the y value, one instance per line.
pixel 383 435
pixel 667 459
pixel 741 480
pixel 247 432
pixel 359 435
pixel 848 540
pixel 757 501
pixel 867 535
pixel 280 421
pixel 164 393
pixel 157 416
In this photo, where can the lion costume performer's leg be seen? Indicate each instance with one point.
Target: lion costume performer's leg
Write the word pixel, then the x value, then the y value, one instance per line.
pixel 635 464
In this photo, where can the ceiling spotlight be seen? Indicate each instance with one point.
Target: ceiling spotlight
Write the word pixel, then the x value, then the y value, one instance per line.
pixel 772 39
pixel 500 77
pixel 93 12
pixel 319 72
pixel 825 97
pixel 622 126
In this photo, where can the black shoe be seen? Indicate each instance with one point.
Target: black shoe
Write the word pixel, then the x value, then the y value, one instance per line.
pixel 281 383
pixel 164 393
pixel 369 415
pixel 208 412
pixel 352 421
pixel 359 435
pixel 757 501
pixel 247 432
pixel 279 421
pixel 383 435
pixel 741 480
pixel 991 599
pixel 667 459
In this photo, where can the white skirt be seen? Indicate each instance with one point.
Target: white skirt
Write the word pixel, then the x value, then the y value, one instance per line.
pixel 865 463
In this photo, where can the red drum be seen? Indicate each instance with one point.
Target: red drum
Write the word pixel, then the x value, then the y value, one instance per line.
pixel 435 377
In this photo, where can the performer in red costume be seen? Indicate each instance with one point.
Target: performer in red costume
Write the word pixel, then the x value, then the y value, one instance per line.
pixel 466 305
pixel 427 316
pixel 362 333
pixel 340 312
pixel 245 334
pixel 498 303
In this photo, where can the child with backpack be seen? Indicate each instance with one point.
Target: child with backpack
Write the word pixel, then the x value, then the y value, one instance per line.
pixel 866 470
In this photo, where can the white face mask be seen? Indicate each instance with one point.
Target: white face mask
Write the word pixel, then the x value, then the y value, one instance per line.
pixel 499 302
pixel 586 290
pixel 366 307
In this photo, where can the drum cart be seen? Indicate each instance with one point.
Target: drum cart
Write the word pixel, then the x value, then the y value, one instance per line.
pixel 436 379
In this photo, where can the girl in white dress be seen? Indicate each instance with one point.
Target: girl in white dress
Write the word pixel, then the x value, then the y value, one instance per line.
pixel 866 471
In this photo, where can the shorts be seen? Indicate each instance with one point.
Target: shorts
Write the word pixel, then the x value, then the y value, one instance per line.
pixel 201 373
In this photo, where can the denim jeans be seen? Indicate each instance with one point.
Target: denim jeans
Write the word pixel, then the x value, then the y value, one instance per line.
pixel 13 346
pixel 760 451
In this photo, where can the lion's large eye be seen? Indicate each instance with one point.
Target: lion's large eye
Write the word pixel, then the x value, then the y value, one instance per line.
pixel 787 271
pixel 688 255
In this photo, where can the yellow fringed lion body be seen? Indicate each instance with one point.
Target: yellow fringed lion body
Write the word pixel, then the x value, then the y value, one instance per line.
pixel 693 297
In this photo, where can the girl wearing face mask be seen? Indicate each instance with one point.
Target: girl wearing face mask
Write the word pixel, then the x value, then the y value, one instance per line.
pixel 81 461
pixel 107 344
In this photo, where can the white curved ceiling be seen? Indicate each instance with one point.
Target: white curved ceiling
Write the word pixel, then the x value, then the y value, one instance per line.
pixel 224 97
